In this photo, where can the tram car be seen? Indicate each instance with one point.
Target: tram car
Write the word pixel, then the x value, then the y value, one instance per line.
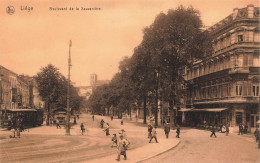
pixel 24 117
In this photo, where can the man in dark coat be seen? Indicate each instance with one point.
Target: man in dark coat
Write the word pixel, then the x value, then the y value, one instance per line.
pixel 256 133
pixel 107 130
pixel 102 123
pixel 213 130
pixel 82 128
pixel 93 117
pixel 240 129
pixel 245 130
pixel 178 130
pixel 167 130
pixel 150 128
pixel 227 130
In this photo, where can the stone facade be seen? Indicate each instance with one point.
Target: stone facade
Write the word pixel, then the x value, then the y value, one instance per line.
pixel 229 79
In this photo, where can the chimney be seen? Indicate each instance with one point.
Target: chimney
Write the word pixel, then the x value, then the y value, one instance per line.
pixel 235 11
pixel 250 11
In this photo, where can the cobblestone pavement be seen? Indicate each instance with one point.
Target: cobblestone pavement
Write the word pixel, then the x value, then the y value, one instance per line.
pixel 197 146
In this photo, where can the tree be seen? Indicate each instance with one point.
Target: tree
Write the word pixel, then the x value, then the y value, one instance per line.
pixel 174 41
pixel 52 87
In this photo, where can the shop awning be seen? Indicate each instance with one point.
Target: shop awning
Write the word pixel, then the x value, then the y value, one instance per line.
pixel 203 109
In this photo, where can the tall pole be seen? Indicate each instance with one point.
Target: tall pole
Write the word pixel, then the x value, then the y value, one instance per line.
pixel 68 93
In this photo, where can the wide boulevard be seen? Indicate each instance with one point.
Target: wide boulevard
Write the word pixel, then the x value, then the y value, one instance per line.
pixel 48 144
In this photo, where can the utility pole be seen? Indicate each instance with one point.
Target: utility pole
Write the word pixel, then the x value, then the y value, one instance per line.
pixel 68 94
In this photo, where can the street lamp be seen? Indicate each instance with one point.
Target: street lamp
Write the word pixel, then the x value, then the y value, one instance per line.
pixel 1 91
pixel 68 93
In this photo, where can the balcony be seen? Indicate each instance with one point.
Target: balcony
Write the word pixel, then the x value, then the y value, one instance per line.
pixel 239 70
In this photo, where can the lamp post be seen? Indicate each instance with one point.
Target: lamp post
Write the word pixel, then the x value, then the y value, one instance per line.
pixel 156 99
pixel 1 92
pixel 68 93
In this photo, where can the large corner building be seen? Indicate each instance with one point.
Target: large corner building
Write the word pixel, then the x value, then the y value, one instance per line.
pixel 225 88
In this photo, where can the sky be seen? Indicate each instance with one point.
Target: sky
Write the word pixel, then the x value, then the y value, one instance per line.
pixel 30 40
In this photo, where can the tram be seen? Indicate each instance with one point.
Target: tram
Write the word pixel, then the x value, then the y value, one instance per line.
pixel 23 117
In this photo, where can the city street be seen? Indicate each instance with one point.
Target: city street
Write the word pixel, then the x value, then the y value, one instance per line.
pixel 48 144
pixel 197 146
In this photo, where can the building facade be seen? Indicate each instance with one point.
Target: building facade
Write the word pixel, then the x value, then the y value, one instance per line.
pixel 225 88
pixel 14 90
pixel 18 91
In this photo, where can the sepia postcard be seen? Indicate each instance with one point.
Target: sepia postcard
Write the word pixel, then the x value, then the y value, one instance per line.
pixel 107 81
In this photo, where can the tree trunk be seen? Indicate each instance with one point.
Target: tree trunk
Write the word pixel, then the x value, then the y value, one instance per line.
pixel 156 107
pixel 48 114
pixel 144 110
pixel 130 113
pixel 171 113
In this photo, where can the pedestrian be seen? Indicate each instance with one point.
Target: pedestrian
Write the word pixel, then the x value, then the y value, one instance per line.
pixel 245 130
pixel 112 118
pixel 122 122
pixel 124 134
pixel 136 118
pixel 227 130
pixel 213 130
pixel 82 128
pixel 12 133
pixel 178 130
pixel 167 130
pixel 114 141
pixel 107 130
pixel 102 123
pixel 93 117
pixel 122 147
pixel 256 133
pixel 154 133
pixel 57 124
pixel 240 129
pixel 150 128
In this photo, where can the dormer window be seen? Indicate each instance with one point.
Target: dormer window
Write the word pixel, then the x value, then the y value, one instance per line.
pixel 240 38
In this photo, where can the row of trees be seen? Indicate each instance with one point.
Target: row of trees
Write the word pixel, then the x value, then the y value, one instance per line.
pixel 155 70
pixel 52 87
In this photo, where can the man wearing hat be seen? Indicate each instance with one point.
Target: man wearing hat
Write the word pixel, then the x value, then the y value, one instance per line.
pixel 124 134
pixel 121 146
pixel 154 135
pixel 114 141
pixel 167 130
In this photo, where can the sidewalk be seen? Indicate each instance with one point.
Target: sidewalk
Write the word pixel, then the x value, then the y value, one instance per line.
pixel 142 153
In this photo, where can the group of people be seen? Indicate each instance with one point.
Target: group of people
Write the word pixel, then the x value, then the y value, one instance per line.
pixel 121 143
pixel 242 129
pixel 152 132
pixel 16 127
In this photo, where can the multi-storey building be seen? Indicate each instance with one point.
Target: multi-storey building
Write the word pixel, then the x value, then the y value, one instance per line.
pixel 14 90
pixel 225 88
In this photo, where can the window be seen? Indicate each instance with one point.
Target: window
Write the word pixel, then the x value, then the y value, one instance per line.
pixel 238 90
pixel 255 90
pixel 228 90
pixel 240 38
pixel 239 60
pixel 256 36
pixel 256 60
